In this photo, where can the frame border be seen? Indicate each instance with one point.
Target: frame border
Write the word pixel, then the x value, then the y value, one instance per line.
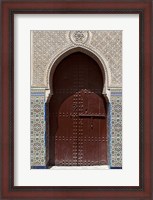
pixel 9 9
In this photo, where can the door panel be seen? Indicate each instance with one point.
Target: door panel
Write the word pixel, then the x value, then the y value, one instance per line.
pixel 78 113
pixel 92 118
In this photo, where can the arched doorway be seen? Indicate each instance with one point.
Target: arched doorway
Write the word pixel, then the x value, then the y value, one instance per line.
pixel 77 113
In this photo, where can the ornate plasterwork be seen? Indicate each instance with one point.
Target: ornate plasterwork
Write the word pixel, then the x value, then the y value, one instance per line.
pixel 47 45
pixel 79 37
pixel 109 43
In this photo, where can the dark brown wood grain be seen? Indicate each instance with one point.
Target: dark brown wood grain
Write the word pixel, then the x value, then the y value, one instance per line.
pixel 9 191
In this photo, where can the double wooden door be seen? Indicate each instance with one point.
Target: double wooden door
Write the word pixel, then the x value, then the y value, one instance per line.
pixel 78 114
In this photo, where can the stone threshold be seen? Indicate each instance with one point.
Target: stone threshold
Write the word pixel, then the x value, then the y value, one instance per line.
pixel 101 167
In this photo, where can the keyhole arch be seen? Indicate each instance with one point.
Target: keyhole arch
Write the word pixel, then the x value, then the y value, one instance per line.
pixel 98 58
pixel 55 94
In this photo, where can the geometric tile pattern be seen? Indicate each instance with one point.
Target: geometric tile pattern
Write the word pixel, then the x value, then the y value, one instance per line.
pixel 116 129
pixel 47 131
pixel 109 122
pixel 37 129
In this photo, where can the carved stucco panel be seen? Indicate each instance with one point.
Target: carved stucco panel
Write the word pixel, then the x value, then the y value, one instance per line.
pixel 109 43
pixel 47 45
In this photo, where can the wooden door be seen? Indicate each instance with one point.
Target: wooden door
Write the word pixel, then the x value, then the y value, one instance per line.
pixel 78 114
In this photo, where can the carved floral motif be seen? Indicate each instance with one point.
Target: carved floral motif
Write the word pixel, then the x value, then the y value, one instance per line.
pixel 79 36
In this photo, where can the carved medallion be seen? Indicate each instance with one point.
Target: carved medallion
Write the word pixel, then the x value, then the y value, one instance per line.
pixel 79 37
